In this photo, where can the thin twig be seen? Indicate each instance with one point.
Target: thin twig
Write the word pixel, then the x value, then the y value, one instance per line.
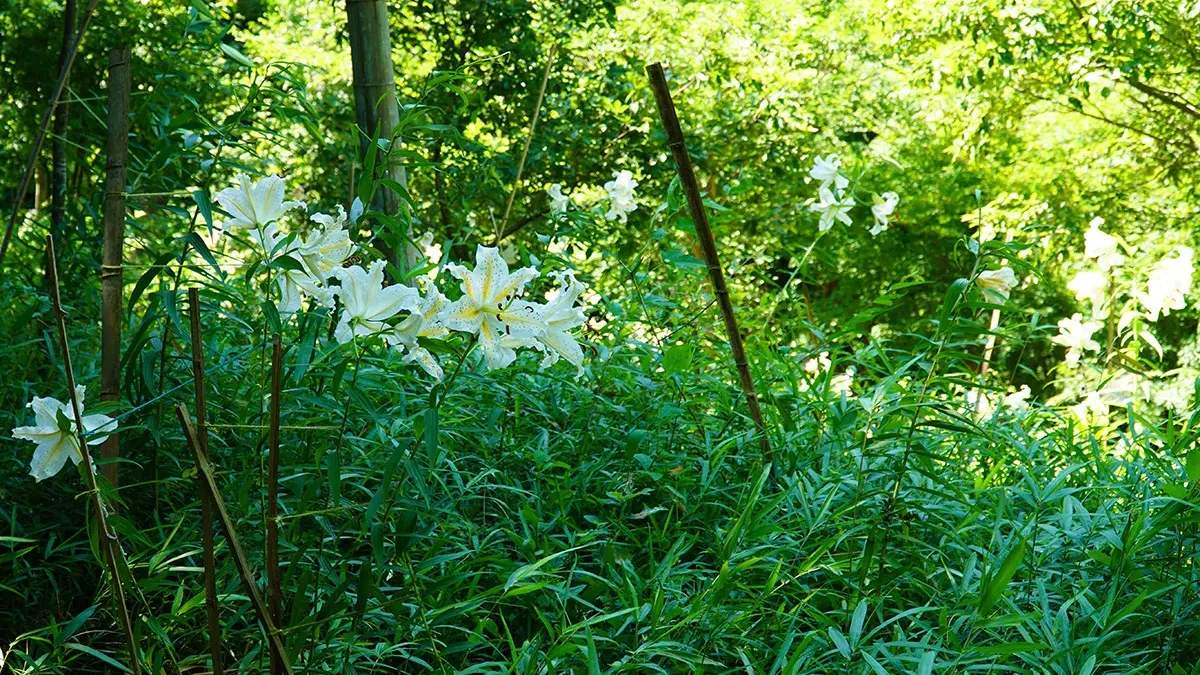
pixel 687 180
pixel 111 551
pixel 537 111
pixel 274 590
pixel 212 608
pixel 204 469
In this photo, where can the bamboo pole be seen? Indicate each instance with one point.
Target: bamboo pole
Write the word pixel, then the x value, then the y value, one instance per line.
pixel 375 104
pixel 212 608
pixel 537 111
pixel 687 180
pixel 114 244
pixel 40 138
pixel 110 548
pixel 204 469
pixel 274 581
pixel 58 144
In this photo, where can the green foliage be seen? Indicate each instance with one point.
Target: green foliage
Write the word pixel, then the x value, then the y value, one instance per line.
pixel 525 521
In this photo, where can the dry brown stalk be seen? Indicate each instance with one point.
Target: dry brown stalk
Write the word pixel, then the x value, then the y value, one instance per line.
pixel 687 180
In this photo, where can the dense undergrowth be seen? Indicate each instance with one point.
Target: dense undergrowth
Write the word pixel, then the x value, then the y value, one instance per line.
pixel 524 521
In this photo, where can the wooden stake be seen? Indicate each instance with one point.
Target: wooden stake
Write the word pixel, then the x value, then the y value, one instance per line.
pixel 114 244
pixel 212 608
pixel 59 86
pixel 375 95
pixel 687 180
pixel 204 469
pixel 274 581
pixel 110 548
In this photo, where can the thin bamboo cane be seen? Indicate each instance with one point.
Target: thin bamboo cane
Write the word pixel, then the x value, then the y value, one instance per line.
pixel 114 557
pixel 274 581
pixel 204 469
pixel 687 180
pixel 40 138
pixel 58 145
pixel 114 244
pixel 537 111
pixel 212 608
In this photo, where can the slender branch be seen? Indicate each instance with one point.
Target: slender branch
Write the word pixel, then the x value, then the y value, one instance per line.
pixel 111 551
pixel 19 197
pixel 687 180
pixel 211 607
pixel 204 469
pixel 58 146
pixel 274 591
pixel 537 111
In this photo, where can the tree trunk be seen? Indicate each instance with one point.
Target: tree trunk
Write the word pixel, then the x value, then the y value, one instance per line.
pixel 375 95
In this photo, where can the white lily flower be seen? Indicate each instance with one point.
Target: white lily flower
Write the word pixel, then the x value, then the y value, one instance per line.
pixel 1102 246
pixel 491 308
pixel 1169 283
pixel 832 208
pixel 558 201
pixel 828 170
pixel 294 284
pixel 621 200
pixel 1076 335
pixel 561 316
pixel 1018 400
pixel 55 446
pixel 818 364
pixel 324 250
pixel 368 304
pixel 882 207
pixel 997 285
pixel 253 205
pixel 425 322
pixel 1092 410
pixel 1089 285
pixel 980 405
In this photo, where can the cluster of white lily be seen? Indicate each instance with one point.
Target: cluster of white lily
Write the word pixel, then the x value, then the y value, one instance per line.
pixel 1101 289
pixel 833 202
pixel 492 308
pixel 619 192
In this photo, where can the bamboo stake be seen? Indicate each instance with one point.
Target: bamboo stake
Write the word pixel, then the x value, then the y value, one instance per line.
pixel 58 145
pixel 204 469
pixel 537 111
pixel 274 582
pixel 19 197
pixel 114 244
pixel 375 102
pixel 110 548
pixel 211 607
pixel 687 180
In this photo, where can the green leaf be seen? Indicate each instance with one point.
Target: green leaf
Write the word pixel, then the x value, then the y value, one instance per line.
pixel 98 654
pixel 233 53
pixel 839 641
pixel 677 359
pixel 197 243
pixel 1193 463
pixel 994 587
pixel 205 205
pixel 1012 648
pixel 856 622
